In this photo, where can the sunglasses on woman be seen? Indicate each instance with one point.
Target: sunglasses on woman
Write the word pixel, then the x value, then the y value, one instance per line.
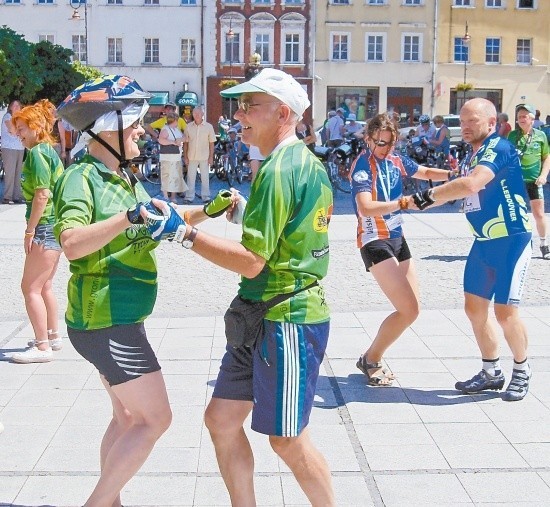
pixel 381 143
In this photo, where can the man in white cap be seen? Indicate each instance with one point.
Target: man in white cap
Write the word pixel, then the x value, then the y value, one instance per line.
pixel 353 128
pixel 283 252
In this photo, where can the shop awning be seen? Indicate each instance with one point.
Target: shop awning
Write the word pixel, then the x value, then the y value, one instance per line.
pixel 187 99
pixel 158 98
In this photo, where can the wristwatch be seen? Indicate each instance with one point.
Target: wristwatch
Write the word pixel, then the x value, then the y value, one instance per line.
pixel 188 241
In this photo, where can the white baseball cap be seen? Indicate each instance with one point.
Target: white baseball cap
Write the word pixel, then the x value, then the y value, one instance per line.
pixel 351 117
pixel 276 83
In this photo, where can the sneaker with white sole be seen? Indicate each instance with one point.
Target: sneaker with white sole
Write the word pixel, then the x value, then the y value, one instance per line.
pixel 545 251
pixel 55 344
pixel 33 355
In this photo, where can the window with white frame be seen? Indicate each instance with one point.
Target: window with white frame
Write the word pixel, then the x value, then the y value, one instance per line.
pixel 48 37
pixel 114 50
pixel 152 50
pixel 411 47
pixel 232 48
pixel 413 2
pixel 12 2
pixel 376 2
pixel 340 47
pixel 292 48
pixel 232 1
pixel 526 4
pixel 79 48
pixel 463 3
pixel 293 2
pixel 151 2
pixel 188 2
pixel 523 51
pixel 261 1
pixel 340 2
pixel 375 47
pixel 45 1
pixel 493 3
pixel 293 29
pixel 188 51
pixel 114 2
pixel 262 46
pixel 492 50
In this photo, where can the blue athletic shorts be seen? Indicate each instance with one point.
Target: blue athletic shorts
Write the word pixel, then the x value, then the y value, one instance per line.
pixel 120 353
pixel 279 375
pixel 498 268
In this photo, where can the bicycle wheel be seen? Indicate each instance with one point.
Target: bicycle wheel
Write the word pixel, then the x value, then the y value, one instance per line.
pixel 239 173
pixel 229 174
pixel 341 177
pixel 151 172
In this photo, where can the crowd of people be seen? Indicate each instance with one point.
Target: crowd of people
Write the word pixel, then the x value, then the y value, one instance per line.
pixel 101 217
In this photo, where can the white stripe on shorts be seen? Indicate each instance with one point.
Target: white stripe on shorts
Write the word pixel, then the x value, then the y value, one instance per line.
pixel 291 380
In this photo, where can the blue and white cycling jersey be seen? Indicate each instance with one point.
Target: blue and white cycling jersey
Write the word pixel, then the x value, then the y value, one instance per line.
pixel 499 209
pixel 382 178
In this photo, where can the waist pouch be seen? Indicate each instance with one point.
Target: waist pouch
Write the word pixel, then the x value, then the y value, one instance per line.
pixel 169 149
pixel 244 319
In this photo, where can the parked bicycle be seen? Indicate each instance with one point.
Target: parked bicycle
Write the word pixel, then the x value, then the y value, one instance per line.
pixel 337 171
pixel 148 162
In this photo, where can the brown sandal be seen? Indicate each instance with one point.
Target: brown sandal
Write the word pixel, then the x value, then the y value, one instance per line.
pixel 376 374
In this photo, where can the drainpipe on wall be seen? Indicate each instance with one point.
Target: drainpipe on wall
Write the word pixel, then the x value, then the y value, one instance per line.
pixel 434 57
pixel 203 87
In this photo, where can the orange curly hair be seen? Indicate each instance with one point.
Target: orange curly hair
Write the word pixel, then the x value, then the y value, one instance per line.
pixel 39 117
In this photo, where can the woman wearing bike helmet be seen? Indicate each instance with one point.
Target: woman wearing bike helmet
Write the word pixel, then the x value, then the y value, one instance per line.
pixel 99 206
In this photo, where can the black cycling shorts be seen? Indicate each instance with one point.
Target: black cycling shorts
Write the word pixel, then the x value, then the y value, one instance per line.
pixel 381 249
pixel 120 353
pixel 534 191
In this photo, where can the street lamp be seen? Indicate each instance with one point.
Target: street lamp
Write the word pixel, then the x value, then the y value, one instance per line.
pixel 230 36
pixel 75 5
pixel 465 52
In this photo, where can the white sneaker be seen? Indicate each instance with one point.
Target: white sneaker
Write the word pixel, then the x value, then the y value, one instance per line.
pixel 55 344
pixel 32 355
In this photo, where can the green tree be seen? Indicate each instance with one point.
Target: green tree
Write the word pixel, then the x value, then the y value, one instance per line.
pixel 19 78
pixel 29 72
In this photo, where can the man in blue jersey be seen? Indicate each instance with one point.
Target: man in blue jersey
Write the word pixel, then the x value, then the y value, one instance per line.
pixel 496 208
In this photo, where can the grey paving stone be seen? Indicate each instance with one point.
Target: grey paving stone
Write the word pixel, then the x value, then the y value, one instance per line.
pixel 421 489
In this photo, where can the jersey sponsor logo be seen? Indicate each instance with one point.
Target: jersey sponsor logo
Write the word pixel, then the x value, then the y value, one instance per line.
pixel 509 201
pixel 317 254
pixel 321 220
pixel 488 156
pixel 138 236
pixel 361 176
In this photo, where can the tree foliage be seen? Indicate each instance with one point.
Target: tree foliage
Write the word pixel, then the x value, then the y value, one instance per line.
pixel 29 72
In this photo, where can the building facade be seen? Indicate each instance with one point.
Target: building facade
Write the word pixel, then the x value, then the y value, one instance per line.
pixel 278 31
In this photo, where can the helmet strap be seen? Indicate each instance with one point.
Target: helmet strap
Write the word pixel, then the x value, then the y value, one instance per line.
pixel 121 157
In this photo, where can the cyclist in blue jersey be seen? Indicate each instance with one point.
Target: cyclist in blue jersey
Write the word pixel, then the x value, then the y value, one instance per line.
pixel 377 193
pixel 496 208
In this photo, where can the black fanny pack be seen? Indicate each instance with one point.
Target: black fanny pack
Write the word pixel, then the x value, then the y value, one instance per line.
pixel 169 149
pixel 244 319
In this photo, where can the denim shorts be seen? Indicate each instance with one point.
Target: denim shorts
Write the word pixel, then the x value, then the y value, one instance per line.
pixel 43 235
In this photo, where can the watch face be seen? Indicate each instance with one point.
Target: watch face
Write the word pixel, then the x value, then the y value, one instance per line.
pixel 187 243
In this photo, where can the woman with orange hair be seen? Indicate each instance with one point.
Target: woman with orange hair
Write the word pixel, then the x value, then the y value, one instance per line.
pixel 41 169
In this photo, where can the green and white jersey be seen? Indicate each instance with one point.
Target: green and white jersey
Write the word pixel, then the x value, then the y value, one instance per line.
pixel 533 148
pixel 41 169
pixel 118 283
pixel 286 223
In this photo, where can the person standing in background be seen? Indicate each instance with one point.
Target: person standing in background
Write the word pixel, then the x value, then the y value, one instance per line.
pixel 12 156
pixel 41 169
pixel 171 166
pixel 532 147
pixel 503 127
pixel 198 154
